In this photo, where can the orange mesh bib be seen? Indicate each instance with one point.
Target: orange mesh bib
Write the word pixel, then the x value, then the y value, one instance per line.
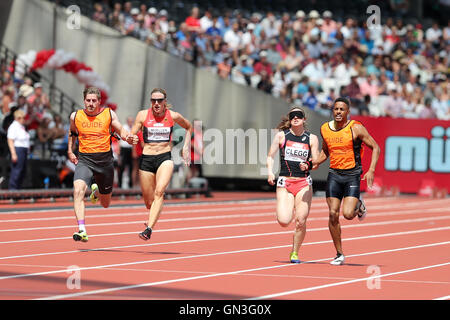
pixel 94 134
pixel 343 151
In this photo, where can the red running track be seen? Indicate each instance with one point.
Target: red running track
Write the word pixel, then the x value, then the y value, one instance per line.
pixel 228 247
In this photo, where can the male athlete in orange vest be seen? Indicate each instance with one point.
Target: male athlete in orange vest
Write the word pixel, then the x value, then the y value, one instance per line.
pixel 94 127
pixel 342 143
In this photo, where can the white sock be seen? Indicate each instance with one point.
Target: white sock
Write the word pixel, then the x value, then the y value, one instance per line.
pixel 81 225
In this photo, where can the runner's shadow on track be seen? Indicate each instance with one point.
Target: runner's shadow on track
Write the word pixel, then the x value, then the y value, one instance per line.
pixel 128 251
pixel 135 292
pixel 303 262
pixel 327 263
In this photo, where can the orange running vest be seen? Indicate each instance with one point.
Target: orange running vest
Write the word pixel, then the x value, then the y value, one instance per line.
pixel 94 132
pixel 344 153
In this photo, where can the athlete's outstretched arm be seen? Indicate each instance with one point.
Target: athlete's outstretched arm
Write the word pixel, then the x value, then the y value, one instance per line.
pixel 140 118
pixel 274 147
pixel 314 142
pixel 73 134
pixel 323 156
pixel 117 126
pixel 363 134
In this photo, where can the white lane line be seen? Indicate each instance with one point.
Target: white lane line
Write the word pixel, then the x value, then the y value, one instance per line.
pixel 280 294
pixel 102 291
pixel 219 253
pixel 443 298
pixel 431 210
pixel 317 200
pixel 237 225
pixel 314 207
pixel 288 276
pixel 118 215
pixel 124 207
pixel 140 222
pixel 228 216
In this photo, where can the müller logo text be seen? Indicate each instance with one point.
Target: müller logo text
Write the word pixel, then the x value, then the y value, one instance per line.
pixel 419 153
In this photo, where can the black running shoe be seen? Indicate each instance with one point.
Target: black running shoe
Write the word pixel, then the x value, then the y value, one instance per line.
pixel 361 209
pixel 146 234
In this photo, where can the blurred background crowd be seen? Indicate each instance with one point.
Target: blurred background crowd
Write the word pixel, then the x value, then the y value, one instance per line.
pixel 397 67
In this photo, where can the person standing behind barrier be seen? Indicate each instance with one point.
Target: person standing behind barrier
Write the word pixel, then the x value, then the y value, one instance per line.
pixel 294 185
pixel 94 127
pixel 19 144
pixel 125 158
pixel 156 164
pixel 195 168
pixel 342 142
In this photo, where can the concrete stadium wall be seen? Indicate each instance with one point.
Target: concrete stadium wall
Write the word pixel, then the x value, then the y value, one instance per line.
pixel 132 69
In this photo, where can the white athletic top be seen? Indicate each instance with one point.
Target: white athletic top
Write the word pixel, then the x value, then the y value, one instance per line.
pixel 19 135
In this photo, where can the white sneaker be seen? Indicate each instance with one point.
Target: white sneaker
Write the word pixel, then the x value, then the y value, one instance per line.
pixel 361 209
pixel 338 260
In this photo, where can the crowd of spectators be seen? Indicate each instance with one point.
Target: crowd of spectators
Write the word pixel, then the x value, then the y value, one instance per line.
pixel 391 69
pixel 395 69
pixel 26 99
pixel 48 131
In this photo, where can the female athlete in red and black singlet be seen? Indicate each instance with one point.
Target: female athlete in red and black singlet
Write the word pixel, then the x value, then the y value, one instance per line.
pixel 156 164
pixel 294 186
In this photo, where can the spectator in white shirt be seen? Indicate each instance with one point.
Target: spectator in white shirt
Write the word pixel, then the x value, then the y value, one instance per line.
pixel 440 106
pixel 394 104
pixel 163 22
pixel 446 33
pixel 343 73
pixel 232 37
pixel 18 143
pixel 434 33
pixel 348 29
pixel 314 71
pixel 206 21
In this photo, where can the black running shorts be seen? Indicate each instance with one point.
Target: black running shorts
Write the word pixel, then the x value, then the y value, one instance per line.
pixel 151 163
pixel 341 186
pixel 103 175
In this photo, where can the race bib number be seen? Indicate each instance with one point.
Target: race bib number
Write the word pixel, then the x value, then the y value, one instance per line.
pixel 281 182
pixel 158 134
pixel 295 151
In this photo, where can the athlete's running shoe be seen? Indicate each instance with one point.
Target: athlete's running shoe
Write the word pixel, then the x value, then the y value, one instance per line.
pixel 294 257
pixel 80 236
pixel 338 260
pixel 146 234
pixel 361 209
pixel 93 197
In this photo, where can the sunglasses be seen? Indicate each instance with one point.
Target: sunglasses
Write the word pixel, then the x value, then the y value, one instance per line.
pixel 298 114
pixel 157 100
